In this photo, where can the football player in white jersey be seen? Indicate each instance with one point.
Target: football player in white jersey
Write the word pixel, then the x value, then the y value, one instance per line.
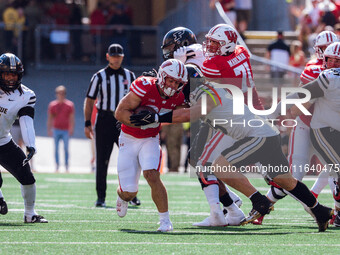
pixel 180 43
pixel 325 123
pixel 256 143
pixel 300 147
pixel 16 100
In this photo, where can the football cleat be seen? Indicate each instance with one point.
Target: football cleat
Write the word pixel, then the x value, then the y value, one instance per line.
pixel 216 219
pixel 204 223
pixel 260 208
pixel 258 221
pixel 238 202
pixel 35 219
pixel 165 226
pixel 235 218
pixel 3 206
pixel 331 221
pixel 322 215
pixel 135 201
pixel 121 207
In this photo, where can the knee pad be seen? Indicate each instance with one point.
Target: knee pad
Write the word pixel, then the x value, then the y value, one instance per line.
pixel 275 194
pixel 207 180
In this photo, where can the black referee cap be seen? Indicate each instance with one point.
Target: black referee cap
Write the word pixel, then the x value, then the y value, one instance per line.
pixel 115 50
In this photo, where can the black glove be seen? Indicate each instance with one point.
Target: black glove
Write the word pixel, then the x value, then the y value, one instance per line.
pixel 151 73
pixel 144 118
pixel 30 153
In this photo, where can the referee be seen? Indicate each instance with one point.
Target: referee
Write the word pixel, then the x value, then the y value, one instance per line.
pixel 108 86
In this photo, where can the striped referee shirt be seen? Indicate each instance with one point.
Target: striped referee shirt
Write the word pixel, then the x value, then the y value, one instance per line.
pixel 109 86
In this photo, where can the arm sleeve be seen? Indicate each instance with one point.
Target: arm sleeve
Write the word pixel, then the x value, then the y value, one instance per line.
pixel 27 131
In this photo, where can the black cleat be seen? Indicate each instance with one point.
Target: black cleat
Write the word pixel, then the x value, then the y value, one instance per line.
pixel 322 215
pixel 35 219
pixel 135 201
pixel 100 203
pixel 3 206
pixel 336 222
pixel 260 208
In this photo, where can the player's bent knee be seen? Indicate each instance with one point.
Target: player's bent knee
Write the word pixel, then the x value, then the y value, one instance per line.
pixel 27 180
pixel 127 196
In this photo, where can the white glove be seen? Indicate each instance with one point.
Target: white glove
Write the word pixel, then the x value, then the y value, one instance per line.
pixel 181 54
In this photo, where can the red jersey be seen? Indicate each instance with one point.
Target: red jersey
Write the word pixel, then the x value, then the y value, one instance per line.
pixel 146 89
pixel 233 69
pixel 310 73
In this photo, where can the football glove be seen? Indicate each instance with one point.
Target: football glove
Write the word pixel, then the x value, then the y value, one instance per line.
pixel 181 54
pixel 144 118
pixel 151 73
pixel 30 153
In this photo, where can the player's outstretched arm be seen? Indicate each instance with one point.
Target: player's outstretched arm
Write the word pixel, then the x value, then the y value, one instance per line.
pixel 126 107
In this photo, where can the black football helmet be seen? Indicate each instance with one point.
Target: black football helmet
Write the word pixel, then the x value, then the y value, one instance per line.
pixel 9 63
pixel 176 38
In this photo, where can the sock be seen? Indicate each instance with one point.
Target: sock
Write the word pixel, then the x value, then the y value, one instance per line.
pixel 1 195
pixel 320 183
pixel 28 194
pixel 164 215
pixel 255 197
pixel 226 200
pixel 232 194
pixel 303 194
pixel 212 194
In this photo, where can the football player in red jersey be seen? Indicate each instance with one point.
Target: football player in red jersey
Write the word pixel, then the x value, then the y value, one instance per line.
pixel 229 63
pixel 300 147
pixel 139 148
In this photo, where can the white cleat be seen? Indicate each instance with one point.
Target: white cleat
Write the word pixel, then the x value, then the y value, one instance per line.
pixel 204 223
pixel 238 202
pixel 121 207
pixel 235 218
pixel 165 226
pixel 216 219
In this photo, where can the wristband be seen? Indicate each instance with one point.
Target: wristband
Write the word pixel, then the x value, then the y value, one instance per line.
pixel 88 123
pixel 166 117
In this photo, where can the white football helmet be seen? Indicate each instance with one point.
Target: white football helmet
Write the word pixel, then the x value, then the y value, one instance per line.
pixel 332 51
pixel 174 69
pixel 225 36
pixel 323 39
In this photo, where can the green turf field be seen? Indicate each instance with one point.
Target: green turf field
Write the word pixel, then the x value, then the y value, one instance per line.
pixel 77 227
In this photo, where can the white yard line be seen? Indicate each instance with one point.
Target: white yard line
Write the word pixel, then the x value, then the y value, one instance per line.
pixel 189 244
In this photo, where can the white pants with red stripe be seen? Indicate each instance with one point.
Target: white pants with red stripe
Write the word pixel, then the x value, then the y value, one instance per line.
pixel 136 155
pixel 218 143
pixel 300 149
